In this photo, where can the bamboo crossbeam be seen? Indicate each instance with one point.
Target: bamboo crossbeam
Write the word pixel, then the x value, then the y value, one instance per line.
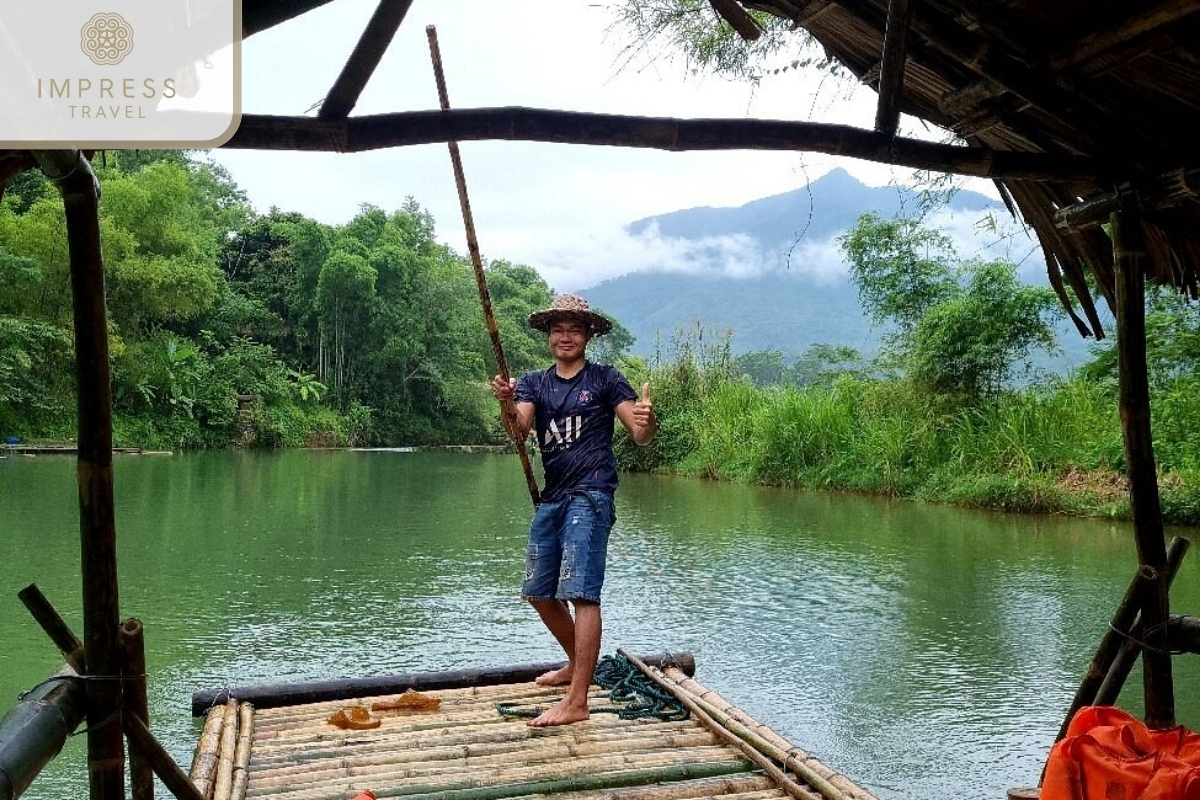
pixel 737 18
pixel 135 730
pixel 54 626
pixel 1131 644
pixel 1183 633
pixel 1174 188
pixel 287 694
pixel 1111 643
pixel 1142 22
pixel 378 131
pixel 160 760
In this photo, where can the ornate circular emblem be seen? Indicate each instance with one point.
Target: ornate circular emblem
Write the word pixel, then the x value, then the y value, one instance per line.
pixel 106 38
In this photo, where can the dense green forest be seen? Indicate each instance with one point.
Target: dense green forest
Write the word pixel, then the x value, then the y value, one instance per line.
pixel 368 333
pixel 233 328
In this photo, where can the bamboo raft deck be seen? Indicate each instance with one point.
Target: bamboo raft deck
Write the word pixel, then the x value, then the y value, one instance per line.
pixel 465 749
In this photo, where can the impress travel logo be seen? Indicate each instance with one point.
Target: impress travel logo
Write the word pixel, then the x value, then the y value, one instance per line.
pixel 119 73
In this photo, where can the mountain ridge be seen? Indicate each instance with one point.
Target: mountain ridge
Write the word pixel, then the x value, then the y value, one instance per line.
pixel 797 296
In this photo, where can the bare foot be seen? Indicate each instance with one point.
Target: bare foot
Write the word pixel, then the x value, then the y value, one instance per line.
pixel 555 677
pixel 560 714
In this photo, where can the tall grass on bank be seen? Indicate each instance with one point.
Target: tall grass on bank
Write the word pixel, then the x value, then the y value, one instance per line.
pixel 1053 448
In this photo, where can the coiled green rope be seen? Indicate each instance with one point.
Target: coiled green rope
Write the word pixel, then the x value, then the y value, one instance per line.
pixel 639 696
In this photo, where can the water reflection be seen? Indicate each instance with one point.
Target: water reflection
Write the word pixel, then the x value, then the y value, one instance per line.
pixel 926 651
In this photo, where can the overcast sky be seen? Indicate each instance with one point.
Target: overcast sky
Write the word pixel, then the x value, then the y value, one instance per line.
pixel 558 208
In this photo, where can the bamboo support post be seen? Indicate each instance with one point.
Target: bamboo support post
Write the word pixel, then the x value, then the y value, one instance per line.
pixel 1134 392
pixel 80 190
pixel 1131 645
pixel 133 657
pixel 507 410
pixel 1103 668
pixel 138 734
pixel 733 733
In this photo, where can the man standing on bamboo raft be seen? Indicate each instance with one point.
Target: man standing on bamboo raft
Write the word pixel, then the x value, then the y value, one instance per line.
pixel 572 406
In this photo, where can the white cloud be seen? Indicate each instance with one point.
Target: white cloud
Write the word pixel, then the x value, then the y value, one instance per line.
pixel 558 208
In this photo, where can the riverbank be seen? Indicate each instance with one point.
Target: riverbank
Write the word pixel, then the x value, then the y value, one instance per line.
pixel 1052 449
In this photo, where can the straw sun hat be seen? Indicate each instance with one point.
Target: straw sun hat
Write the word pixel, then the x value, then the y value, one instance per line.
pixel 571 306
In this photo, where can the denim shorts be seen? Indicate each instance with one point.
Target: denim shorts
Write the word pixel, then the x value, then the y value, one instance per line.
pixel 568 544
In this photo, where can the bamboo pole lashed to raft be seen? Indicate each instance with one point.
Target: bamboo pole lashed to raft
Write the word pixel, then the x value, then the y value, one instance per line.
pixel 507 410
pixel 748 737
pixel 221 763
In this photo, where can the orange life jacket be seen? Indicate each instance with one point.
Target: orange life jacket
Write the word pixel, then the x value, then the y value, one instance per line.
pixel 1108 754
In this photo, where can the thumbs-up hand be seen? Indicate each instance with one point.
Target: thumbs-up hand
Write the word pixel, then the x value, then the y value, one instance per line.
pixel 643 414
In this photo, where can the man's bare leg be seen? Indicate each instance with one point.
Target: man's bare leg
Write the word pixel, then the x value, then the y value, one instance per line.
pixel 557 619
pixel 587 629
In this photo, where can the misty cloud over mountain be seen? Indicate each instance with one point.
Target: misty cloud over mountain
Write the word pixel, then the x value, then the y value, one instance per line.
pixel 771 271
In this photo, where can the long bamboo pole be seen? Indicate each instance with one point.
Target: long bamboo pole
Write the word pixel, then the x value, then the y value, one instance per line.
pixel 80 191
pixel 269 696
pixel 507 409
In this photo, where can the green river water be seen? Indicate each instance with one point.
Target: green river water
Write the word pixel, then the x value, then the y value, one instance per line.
pixel 927 652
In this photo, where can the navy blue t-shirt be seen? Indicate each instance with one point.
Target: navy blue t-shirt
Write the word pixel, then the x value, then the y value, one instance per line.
pixel 574 422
